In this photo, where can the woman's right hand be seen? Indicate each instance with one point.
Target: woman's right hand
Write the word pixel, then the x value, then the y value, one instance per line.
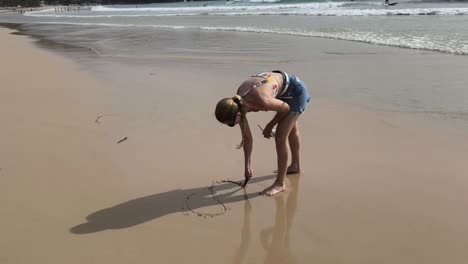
pixel 267 132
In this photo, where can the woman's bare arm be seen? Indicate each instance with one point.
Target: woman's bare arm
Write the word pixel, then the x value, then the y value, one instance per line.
pixel 277 118
pixel 267 131
pixel 265 101
pixel 248 145
pixel 273 104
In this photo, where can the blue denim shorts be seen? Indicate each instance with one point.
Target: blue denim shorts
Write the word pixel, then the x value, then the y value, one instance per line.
pixel 296 95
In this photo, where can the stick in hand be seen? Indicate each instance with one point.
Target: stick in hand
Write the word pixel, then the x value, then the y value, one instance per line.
pixel 273 132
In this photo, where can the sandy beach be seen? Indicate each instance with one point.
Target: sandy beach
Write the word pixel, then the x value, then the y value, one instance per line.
pixel 376 187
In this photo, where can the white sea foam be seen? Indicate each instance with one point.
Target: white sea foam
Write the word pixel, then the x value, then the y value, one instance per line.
pixel 264 1
pixel 303 9
pixel 223 8
pixel 405 41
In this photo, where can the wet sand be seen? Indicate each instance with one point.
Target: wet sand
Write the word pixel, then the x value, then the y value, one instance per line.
pixel 376 187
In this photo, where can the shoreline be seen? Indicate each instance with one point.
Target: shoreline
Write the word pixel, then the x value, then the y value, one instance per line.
pixel 45 43
pixel 374 187
pixel 445 117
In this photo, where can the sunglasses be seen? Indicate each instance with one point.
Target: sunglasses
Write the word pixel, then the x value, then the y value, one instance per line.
pixel 233 123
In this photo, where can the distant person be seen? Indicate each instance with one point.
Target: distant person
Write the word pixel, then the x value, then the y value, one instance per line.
pixel 275 91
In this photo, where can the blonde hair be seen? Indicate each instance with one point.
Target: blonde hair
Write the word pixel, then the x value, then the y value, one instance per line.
pixel 227 110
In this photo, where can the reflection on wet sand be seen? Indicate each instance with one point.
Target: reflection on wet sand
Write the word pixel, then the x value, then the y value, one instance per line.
pixel 245 233
pixel 275 240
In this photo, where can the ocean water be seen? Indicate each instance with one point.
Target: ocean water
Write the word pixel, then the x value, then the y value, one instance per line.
pixel 435 26
pixel 239 30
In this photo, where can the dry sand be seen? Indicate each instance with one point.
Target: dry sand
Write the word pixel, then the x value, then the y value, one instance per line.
pixel 376 188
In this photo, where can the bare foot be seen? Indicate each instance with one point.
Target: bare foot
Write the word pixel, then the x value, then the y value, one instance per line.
pixel 274 189
pixel 291 170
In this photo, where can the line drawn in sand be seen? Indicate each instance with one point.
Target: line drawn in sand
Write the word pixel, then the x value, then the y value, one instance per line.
pixel 98 119
pixel 143 209
pixel 212 193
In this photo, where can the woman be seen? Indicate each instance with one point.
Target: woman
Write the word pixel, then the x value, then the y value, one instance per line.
pixel 269 91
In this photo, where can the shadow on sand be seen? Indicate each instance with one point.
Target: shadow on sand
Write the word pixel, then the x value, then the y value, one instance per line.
pixel 148 208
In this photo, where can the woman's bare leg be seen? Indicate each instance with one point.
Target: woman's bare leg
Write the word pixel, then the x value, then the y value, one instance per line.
pixel 295 145
pixel 282 150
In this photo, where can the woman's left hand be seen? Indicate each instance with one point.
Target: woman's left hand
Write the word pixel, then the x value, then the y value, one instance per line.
pixel 248 173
